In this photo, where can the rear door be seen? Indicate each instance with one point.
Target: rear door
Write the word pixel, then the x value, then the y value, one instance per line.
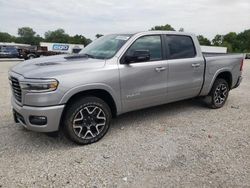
pixel 144 84
pixel 186 68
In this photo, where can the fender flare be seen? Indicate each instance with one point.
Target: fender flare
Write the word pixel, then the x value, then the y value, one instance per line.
pixel 216 75
pixel 87 87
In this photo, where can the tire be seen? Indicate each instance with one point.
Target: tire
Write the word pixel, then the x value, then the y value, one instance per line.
pixel 218 94
pixel 31 56
pixel 87 120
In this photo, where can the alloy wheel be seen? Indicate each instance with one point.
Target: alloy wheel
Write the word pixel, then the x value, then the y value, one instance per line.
pixel 220 94
pixel 89 122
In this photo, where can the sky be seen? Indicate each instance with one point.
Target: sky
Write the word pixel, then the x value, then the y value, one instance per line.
pixel 89 17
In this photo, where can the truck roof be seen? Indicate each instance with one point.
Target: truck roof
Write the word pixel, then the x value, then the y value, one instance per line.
pixel 157 32
pixel 166 32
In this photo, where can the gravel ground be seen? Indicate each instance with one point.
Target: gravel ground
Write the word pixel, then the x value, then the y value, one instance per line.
pixel 182 144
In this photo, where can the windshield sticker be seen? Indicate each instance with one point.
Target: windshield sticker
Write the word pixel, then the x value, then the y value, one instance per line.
pixel 122 37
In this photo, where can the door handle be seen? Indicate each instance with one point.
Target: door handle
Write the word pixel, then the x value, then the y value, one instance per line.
pixel 196 64
pixel 159 69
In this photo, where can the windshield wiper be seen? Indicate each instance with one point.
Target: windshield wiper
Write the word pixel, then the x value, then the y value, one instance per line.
pixel 88 55
pixel 80 56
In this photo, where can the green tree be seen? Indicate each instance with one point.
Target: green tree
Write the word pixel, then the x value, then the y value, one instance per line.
pixel 218 40
pixel 98 35
pixel 203 40
pixel 231 42
pixel 243 39
pixel 26 32
pixel 79 39
pixel 58 35
pixel 6 37
pixel 228 45
pixel 166 27
pixel 28 36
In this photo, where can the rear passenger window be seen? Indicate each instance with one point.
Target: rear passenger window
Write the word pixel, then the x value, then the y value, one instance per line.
pixel 180 47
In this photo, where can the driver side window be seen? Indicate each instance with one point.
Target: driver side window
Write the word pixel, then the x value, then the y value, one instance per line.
pixel 150 43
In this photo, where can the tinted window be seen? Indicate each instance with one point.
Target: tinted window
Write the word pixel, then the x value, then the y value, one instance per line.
pixel 180 47
pixel 8 49
pixel 150 43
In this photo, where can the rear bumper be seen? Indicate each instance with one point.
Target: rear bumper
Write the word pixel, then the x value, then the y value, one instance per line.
pixel 238 82
pixel 53 114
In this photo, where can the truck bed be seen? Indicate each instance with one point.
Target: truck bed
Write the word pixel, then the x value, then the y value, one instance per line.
pixel 205 54
pixel 217 63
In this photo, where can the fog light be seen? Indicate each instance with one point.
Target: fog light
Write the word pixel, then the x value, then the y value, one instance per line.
pixel 38 120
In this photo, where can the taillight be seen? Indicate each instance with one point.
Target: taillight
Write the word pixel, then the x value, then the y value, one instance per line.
pixel 241 64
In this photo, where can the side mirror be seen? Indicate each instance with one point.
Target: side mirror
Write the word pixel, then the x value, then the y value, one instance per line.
pixel 138 56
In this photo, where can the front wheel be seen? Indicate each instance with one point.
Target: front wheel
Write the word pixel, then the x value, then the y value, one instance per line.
pixel 87 120
pixel 218 94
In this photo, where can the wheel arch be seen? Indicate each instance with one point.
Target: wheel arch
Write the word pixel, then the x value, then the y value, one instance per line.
pixel 103 93
pixel 227 76
pixel 224 74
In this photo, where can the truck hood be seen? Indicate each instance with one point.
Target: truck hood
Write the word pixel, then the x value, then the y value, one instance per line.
pixel 48 67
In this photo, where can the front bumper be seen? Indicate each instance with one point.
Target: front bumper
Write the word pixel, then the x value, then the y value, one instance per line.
pixel 52 113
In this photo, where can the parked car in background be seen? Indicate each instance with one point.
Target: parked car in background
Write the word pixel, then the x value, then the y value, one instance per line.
pixel 48 49
pixel 116 74
pixel 9 52
pixel 23 51
pixel 247 56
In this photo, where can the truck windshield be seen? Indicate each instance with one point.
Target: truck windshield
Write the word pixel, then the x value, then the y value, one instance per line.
pixel 105 47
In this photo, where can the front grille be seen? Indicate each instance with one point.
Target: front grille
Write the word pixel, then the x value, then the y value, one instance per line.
pixel 16 89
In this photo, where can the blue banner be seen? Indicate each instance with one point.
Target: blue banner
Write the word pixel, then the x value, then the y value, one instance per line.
pixel 63 47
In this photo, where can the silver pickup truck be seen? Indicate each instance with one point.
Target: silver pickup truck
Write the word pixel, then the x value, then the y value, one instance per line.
pixel 115 74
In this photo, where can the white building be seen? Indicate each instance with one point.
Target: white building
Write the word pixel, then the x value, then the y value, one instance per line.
pixel 62 47
pixel 214 49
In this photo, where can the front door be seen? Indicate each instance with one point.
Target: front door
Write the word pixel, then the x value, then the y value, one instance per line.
pixel 144 84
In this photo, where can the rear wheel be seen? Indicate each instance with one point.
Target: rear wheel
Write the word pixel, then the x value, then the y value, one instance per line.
pixel 31 56
pixel 218 94
pixel 87 120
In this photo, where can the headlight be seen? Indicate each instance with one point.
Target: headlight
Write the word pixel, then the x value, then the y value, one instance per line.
pixel 38 86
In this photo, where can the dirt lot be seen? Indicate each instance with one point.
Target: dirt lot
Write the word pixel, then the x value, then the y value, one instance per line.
pixel 183 144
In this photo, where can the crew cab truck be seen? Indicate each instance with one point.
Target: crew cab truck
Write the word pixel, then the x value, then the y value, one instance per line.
pixel 115 74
